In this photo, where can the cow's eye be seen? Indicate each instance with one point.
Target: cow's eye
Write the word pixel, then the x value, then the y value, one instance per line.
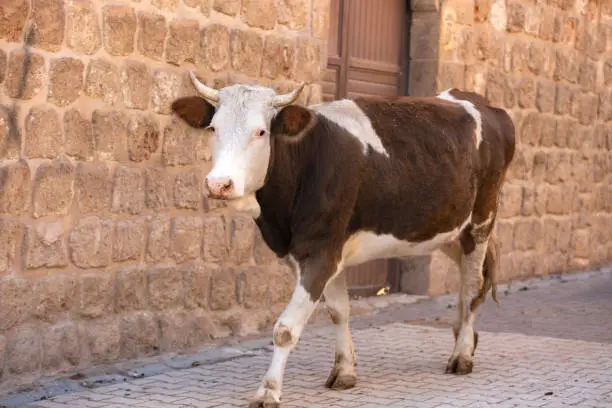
pixel 261 132
pixel 211 129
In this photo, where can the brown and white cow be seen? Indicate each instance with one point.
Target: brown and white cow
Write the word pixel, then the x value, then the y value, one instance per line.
pixel 337 184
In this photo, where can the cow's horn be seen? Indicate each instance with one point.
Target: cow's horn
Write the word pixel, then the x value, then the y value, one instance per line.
pixel 286 99
pixel 212 95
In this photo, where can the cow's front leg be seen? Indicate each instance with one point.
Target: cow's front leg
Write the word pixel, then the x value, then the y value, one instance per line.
pixel 312 276
pixel 343 374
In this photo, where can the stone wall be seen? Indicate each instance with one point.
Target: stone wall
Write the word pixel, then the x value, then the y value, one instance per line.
pixel 549 63
pixel 108 249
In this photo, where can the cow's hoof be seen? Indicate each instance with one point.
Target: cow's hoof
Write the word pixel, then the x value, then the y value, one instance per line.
pixel 265 402
pixel 459 365
pixel 337 381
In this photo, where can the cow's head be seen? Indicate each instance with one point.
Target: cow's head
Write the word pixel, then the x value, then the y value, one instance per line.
pixel 240 120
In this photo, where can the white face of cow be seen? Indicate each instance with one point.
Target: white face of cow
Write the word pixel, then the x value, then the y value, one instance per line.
pixel 238 119
pixel 240 132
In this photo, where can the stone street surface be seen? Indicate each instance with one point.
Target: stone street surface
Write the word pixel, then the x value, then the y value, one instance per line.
pixel 549 345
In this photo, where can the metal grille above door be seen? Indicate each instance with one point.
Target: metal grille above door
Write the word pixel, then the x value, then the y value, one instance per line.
pixel 367 52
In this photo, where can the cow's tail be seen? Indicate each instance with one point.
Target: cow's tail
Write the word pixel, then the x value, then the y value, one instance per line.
pixel 489 274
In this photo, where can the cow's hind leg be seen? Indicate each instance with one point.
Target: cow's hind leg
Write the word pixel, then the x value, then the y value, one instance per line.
pixel 478 258
pixel 342 375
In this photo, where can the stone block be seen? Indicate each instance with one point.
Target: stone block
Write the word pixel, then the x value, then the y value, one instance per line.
pixel 110 134
pixel 531 129
pixel 422 31
pixel 15 301
pixel 183 39
pixel 91 242
pixel 422 79
pixel 547 24
pixel 496 87
pixel 587 74
pixel 151 35
pixel 96 294
pixel 510 201
pixel 567 64
pixel 43 133
pixel 143 137
pixel 166 84
pixel 563 99
pixel 261 251
pixel 262 13
pixel 35 75
pixel 158 239
pixel 15 188
pixel 565 26
pixel 223 289
pixel 60 347
pixel 102 82
pixel 65 80
pixel 281 282
pixel 78 133
pixel 53 296
pixel 101 338
pixel 540 59
pixel 516 17
pixel 165 288
pixel 604 111
pixel 581 243
pixel 308 61
pixel 252 287
pixel 214 49
pixel 186 238
pixel 166 5
pixel 44 245
pixel 10 238
pixel 607 71
pixel 527 234
pixel 279 58
pixel 229 7
pixel 545 98
pixel 119 27
pixel 203 5
pixel 13 18
pixel 522 164
pixel 94 187
pixel 591 38
pixel 131 289
pixel 246 52
pixel 156 188
pixel 241 239
pixel 558 167
pixel 129 240
pixel 215 245
pixel 136 84
pixel 179 146
pixel 48 23
pixel 128 190
pixel 187 189
pixel 196 278
pixel 533 20
pixel 539 166
pixel 182 329
pixel 320 19
pixel 519 56
pixel 584 108
pixel 548 130
pixel 54 188
pixel 139 333
pixel 82 27
pixel 451 75
pixel 3 62
pixel 23 350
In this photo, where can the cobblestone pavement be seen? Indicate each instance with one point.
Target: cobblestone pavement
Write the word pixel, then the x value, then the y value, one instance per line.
pixel 548 346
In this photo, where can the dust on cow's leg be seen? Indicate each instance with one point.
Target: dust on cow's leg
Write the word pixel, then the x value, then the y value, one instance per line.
pixel 473 288
pixel 343 374
pixel 287 333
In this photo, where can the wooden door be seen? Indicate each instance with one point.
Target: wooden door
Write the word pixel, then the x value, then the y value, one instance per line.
pixel 367 52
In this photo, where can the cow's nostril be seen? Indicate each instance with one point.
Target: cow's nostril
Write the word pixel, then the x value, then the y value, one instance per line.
pixel 228 185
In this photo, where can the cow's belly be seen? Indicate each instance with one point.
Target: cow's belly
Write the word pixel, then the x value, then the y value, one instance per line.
pixel 366 246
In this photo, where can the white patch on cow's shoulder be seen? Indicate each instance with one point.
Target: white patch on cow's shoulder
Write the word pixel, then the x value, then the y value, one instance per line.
pixel 347 114
pixel 365 246
pixel 471 109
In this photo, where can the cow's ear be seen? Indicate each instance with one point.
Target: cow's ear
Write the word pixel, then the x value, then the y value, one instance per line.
pixel 194 110
pixel 293 122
